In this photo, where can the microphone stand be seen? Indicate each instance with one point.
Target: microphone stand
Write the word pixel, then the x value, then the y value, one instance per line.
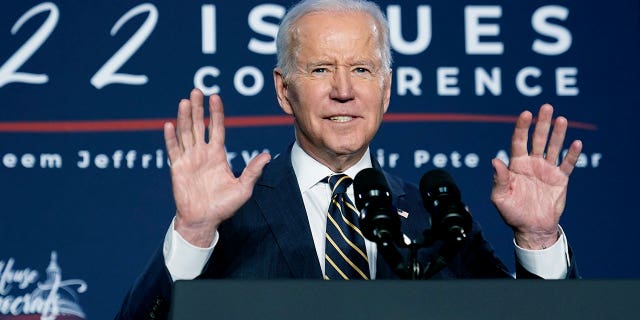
pixel 394 259
pixel 411 268
pixel 445 252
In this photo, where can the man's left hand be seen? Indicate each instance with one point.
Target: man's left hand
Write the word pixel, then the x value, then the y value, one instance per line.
pixel 531 193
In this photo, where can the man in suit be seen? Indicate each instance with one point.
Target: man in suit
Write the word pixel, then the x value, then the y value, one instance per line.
pixel 334 77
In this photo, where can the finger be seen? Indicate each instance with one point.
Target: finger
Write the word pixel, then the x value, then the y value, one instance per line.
pixel 500 177
pixel 521 135
pixel 253 170
pixel 170 140
pixel 216 120
pixel 557 139
pixel 197 116
pixel 570 160
pixel 183 124
pixel 541 132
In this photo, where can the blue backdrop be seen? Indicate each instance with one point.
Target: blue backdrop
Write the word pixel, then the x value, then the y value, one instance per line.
pixel 86 85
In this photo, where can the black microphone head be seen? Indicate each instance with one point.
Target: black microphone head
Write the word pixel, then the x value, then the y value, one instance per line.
pixel 378 221
pixel 441 197
pixel 370 183
pixel 435 177
pixel 436 183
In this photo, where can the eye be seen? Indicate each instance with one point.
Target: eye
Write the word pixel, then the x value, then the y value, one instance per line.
pixel 319 70
pixel 362 70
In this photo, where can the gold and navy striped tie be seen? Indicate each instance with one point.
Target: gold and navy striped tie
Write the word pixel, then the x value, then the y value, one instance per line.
pixel 345 253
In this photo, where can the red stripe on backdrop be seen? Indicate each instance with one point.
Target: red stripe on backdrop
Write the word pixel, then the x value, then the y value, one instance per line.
pixel 238 122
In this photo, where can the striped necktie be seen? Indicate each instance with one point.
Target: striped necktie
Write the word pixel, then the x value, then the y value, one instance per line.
pixel 345 253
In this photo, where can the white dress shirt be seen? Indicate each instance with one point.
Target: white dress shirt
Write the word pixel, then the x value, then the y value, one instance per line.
pixel 185 261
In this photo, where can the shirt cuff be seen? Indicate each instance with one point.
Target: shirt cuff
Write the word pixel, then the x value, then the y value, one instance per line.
pixel 184 260
pixel 549 263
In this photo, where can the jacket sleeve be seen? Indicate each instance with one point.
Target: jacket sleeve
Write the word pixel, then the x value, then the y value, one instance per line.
pixel 150 296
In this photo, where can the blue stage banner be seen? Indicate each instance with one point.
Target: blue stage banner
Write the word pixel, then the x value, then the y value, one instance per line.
pixel 85 87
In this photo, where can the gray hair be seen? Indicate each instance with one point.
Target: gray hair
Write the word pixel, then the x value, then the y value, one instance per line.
pixel 286 45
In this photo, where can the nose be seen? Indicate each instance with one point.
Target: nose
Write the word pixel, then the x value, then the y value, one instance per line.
pixel 342 86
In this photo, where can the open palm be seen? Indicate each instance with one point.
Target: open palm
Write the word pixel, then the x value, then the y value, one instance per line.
pixel 205 190
pixel 531 193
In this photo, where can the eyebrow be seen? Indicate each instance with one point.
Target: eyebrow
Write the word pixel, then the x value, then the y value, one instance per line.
pixel 364 62
pixel 319 63
pixel 328 63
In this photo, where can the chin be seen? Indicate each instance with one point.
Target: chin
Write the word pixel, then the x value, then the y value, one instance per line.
pixel 349 149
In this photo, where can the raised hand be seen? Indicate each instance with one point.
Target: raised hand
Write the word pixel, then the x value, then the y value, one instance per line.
pixel 205 190
pixel 531 194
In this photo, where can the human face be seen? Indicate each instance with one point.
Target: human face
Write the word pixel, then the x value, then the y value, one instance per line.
pixel 339 90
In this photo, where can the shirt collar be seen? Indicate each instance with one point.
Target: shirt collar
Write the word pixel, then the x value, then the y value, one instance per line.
pixel 309 171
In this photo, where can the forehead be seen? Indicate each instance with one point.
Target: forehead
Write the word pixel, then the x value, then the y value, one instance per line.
pixel 337 33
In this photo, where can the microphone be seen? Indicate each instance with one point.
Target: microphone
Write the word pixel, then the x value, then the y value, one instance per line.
pixel 450 219
pixel 378 222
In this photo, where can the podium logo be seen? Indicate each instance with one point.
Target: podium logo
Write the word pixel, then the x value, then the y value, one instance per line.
pixel 24 294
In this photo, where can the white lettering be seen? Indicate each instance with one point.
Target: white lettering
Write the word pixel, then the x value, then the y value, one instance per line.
pixel 540 23
pixel 492 82
pixel 108 73
pixel 159 157
pixel 382 160
pixel 455 159
pixel 252 72
pixel 440 160
pixel 447 81
pixel 247 157
pixel 393 159
pixel 101 161
pixel 9 70
pixel 8 276
pixel 503 156
pixel 27 160
pixel 9 160
pixel 420 157
pixel 521 81
pixel 85 159
pixel 146 158
pixel 198 80
pixel 50 160
pixel 595 159
pixel 208 16
pixel 423 37
pixel 258 24
pixel 474 29
pixel 471 160
pixel 566 82
pixel 117 158
pixel 45 299
pixel 131 158
pixel 409 79
pixel 380 157
pixel 582 161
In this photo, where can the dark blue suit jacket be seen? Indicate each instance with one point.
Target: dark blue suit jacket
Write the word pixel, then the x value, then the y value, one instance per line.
pixel 270 238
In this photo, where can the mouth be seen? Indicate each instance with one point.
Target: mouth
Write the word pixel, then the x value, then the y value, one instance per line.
pixel 340 119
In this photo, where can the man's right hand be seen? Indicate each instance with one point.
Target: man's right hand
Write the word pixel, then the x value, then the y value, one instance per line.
pixel 205 190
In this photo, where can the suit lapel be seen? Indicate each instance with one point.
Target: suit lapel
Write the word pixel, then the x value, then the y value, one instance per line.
pixel 280 201
pixel 278 195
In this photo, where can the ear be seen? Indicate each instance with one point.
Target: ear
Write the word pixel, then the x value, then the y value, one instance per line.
pixel 282 91
pixel 387 90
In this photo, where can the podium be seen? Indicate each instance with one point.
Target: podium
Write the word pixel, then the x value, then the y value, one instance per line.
pixel 382 299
